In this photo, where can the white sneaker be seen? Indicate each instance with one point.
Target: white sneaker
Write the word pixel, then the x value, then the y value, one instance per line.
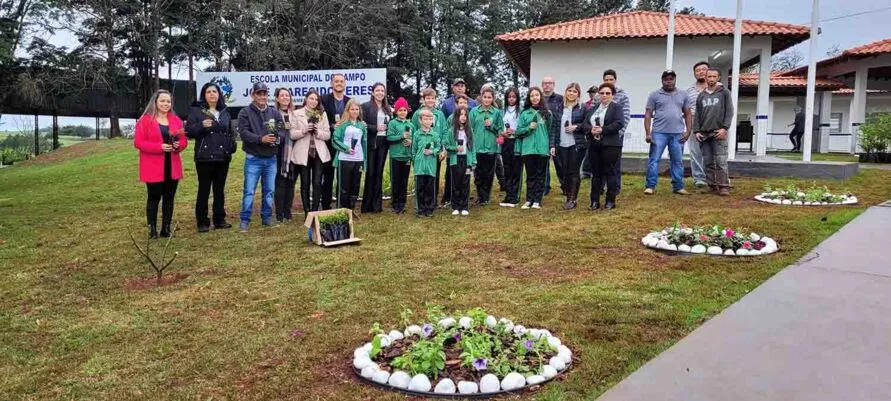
pixel 464 213
pixel 536 205
pixel 455 212
pixel 510 205
pixel 502 204
pixel 526 205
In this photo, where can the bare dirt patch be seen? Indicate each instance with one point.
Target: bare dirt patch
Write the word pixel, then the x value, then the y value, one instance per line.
pixel 148 283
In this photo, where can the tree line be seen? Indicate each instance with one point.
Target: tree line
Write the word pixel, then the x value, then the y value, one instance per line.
pixel 130 43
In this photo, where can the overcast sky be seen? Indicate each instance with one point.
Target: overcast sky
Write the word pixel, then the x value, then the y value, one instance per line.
pixel 838 26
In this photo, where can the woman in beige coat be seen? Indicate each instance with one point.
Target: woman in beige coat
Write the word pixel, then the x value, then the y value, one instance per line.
pixel 309 152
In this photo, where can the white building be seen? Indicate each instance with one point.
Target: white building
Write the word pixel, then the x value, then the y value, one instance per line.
pixel 634 45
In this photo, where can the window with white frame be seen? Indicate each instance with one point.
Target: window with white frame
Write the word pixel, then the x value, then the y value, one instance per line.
pixel 835 120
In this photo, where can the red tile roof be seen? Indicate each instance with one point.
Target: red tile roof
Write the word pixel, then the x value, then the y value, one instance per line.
pixel 788 81
pixel 868 50
pixel 644 24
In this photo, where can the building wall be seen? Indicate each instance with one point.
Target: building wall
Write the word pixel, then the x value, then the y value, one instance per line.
pixel 638 62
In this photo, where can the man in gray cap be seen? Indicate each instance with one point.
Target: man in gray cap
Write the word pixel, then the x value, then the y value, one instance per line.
pixel 262 130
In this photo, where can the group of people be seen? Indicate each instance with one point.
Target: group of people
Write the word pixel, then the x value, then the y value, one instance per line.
pixel 330 140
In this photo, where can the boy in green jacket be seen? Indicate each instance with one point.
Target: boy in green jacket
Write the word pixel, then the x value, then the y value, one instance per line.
pixel 399 134
pixel 486 122
pixel 424 147
pixel 440 125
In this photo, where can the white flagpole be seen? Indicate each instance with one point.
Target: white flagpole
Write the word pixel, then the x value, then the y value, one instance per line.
pixel 737 55
pixel 669 51
pixel 811 83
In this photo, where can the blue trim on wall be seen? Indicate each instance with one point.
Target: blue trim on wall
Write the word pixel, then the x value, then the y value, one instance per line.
pixel 761 117
pixel 637 116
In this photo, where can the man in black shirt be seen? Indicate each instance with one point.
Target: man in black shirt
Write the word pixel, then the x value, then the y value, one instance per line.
pixel 334 103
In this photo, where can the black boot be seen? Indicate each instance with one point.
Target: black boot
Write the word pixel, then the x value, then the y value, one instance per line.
pixel 165 230
pixel 203 226
pixel 595 204
pixel 153 231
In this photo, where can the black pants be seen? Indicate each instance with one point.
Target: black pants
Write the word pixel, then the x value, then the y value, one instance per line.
pixel 460 184
pixel 586 169
pixel 604 161
pixel 158 191
pixel 795 137
pixel 513 170
pixel 499 172
pixel 311 184
pixel 328 174
pixel 447 188
pixel 558 165
pixel 348 183
pixel 484 175
pixel 211 175
pixel 399 172
pixel 424 193
pixel 373 193
pixel 570 158
pixel 536 171
pixel 586 165
pixel 284 194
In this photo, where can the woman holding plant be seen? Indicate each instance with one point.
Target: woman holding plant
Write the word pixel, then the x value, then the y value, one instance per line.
pixel 462 158
pixel 310 132
pixel 287 171
pixel 209 124
pixel 533 137
pixel 160 138
pixel 377 114
pixel 350 141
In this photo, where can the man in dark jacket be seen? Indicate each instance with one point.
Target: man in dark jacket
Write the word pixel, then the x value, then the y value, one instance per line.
pixel 210 125
pixel 334 103
pixel 262 131
pixel 459 88
pixel 555 104
pixel 714 114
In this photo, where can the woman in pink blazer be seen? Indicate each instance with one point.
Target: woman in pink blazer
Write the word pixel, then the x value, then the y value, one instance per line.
pixel 160 138
pixel 309 152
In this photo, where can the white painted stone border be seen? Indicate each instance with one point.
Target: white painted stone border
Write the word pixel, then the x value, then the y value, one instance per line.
pixel 656 240
pixel 849 200
pixel 488 384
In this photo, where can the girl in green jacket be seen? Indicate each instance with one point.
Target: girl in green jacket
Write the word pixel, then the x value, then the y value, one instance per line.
pixel 462 158
pixel 424 147
pixel 486 122
pixel 350 142
pixel 399 133
pixel 533 136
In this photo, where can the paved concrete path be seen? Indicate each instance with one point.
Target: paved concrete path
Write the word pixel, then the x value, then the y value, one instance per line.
pixel 818 330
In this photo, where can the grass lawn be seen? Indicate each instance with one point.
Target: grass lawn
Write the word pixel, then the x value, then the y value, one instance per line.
pixel 71 329
pixel 818 157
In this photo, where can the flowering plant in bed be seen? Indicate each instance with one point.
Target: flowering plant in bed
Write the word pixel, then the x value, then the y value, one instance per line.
pixel 712 240
pixel 468 353
pixel 812 196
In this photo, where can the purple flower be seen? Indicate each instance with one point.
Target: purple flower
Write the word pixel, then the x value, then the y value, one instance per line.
pixel 528 344
pixel 480 363
pixel 427 330
pixel 457 337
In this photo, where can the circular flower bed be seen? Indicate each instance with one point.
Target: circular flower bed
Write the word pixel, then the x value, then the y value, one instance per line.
pixel 813 196
pixel 473 354
pixel 714 240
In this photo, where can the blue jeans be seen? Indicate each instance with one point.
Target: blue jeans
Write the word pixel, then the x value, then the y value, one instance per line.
pixel 675 154
pixel 258 169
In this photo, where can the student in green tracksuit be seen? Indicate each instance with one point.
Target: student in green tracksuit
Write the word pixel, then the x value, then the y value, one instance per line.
pixel 533 141
pixel 350 142
pixel 486 122
pixel 459 142
pixel 399 134
pixel 428 102
pixel 424 147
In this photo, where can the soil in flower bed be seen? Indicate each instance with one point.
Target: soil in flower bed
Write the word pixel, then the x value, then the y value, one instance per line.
pixel 453 366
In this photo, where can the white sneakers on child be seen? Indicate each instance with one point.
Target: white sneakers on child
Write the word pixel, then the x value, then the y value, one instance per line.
pixel 536 205
pixel 526 205
pixel 460 212
pixel 464 213
pixel 455 212
pixel 506 204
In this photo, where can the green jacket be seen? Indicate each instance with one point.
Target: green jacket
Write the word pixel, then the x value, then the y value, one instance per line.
pixel 395 129
pixel 339 146
pixel 529 141
pixel 425 164
pixel 451 145
pixel 484 138
pixel 439 121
